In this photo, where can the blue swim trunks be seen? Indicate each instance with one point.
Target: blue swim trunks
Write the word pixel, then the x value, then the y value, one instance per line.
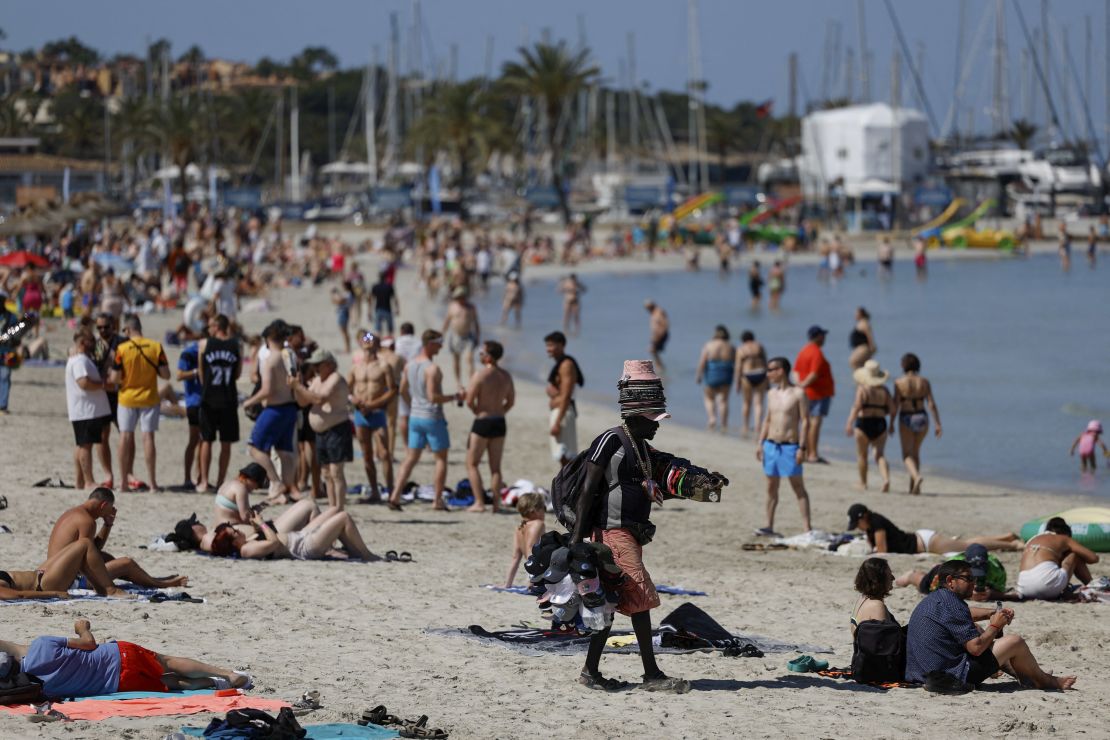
pixel 780 461
pixel 371 419
pixel 428 433
pixel 274 428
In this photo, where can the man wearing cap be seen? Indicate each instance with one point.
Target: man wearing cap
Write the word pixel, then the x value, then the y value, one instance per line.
pixel 233 499
pixel 276 424
pixel 327 394
pixel 422 389
pixel 814 374
pixel 780 446
pixel 986 569
pixel 373 390
pixel 460 327
pixel 614 506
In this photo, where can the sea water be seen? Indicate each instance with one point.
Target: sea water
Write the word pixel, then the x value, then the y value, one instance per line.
pixel 1016 350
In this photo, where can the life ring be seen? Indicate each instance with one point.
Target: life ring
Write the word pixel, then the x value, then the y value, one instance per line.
pixel 1090 527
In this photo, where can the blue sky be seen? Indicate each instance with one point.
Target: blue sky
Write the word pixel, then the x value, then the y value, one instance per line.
pixel 744 44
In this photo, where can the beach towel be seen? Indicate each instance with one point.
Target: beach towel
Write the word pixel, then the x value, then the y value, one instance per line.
pixel 331 731
pixel 157 705
pixel 524 590
pixel 846 674
pixel 144 596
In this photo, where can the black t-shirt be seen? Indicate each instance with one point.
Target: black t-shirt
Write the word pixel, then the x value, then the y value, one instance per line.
pixel 625 501
pixel 896 540
pixel 383 296
pixel 221 363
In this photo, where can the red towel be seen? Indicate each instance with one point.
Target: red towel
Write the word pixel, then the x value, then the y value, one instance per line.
pixel 160 706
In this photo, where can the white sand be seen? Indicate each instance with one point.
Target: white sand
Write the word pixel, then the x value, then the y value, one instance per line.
pixel 355 631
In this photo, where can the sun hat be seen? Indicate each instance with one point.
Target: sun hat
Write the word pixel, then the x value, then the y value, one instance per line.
pixel 871 374
pixel 816 331
pixel 1094 425
pixel 256 474
pixel 855 511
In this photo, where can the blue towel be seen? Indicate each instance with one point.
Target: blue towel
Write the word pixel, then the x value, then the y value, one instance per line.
pixel 677 591
pixel 326 732
pixel 125 695
pixel 509 590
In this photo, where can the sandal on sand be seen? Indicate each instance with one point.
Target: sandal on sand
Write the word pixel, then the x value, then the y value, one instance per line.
pixel 137 486
pixel 807 664
pixel 390 556
pixel 379 716
pixel 663 682
pixel 420 729
pixel 601 683
pixel 309 702
pixel 404 557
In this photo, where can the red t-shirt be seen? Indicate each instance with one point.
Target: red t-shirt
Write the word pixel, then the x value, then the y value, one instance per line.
pixel 811 359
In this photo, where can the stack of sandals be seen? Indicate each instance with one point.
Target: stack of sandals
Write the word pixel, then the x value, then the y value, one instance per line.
pixel 409 727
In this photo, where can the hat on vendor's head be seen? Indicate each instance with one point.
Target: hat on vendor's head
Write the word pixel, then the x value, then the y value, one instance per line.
pixel 641 391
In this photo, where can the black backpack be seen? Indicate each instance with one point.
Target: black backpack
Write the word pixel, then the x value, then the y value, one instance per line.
pixel 879 652
pixel 566 488
pixel 20 688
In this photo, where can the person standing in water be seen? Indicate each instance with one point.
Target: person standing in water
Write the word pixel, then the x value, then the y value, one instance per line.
pixel 861 340
pixel 919 257
pixel 755 284
pixel 1092 246
pixel 776 284
pixel 751 380
pixel 912 393
pixel 867 419
pixel 886 257
pixel 1086 444
pixel 1063 241
pixel 715 366
pixel 659 326
pixel 572 291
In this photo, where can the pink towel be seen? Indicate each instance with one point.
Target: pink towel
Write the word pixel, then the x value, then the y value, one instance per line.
pixel 95 709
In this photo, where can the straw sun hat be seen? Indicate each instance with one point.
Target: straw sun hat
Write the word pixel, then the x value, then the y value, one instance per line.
pixel 871 374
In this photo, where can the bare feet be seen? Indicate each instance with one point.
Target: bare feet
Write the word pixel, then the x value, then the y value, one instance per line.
pixel 915 489
pixel 886 487
pixel 861 486
pixel 173 581
pixel 118 593
pixel 476 509
pixel 1063 683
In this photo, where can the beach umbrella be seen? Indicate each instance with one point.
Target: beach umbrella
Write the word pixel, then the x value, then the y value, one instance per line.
pixel 22 258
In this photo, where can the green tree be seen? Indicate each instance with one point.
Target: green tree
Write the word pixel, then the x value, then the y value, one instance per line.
pixel 70 50
pixel 721 133
pixel 552 75
pixel 311 61
pixel 178 130
pixel 79 125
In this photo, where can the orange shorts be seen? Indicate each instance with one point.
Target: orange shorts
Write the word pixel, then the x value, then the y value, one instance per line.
pixel 637 594
pixel 139 669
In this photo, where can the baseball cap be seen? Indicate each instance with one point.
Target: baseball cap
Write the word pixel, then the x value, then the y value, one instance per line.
pixel 255 473
pixel 558 567
pixel 320 355
pixel 855 511
pixel 816 331
pixel 976 557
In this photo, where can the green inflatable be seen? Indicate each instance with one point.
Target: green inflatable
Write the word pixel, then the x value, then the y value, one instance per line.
pixel 1090 527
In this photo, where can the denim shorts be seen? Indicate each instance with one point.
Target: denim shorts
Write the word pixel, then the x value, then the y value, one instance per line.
pixel 820 406
pixel 428 433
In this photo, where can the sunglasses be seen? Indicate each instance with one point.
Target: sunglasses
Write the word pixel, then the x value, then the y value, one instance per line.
pixel 368 337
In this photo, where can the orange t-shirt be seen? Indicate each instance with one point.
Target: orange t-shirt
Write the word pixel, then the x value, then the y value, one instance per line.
pixel 811 359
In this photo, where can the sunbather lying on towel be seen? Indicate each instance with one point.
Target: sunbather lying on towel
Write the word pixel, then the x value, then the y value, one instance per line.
pixel 80 667
pixel 52 578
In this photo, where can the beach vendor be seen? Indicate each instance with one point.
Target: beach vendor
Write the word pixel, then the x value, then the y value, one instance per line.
pixel 624 476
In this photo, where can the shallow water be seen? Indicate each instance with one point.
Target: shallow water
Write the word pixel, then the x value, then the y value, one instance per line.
pixel 1016 351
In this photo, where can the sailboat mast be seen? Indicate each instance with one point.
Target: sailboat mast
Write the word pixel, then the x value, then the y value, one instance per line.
pixel 294 146
pixel 371 103
pixel 864 54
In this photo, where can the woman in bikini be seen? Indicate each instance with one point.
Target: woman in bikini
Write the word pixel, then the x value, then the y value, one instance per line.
pixel 867 420
pixel 861 340
pixel 912 393
pixel 52 579
pixel 301 533
pixel 884 536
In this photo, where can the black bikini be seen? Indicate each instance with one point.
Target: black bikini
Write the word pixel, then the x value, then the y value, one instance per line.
pixel 874 427
pixel 857 339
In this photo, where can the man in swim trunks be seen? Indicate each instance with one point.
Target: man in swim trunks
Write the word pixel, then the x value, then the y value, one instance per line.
pixel 776 284
pixel 461 329
pixel 560 392
pixel 407 345
pixel 572 291
pixel 780 446
pixel 81 667
pixel 814 374
pixel 1049 561
pixel 751 379
pixel 490 396
pixel 276 425
pixel 80 521
pixel 659 327
pixel 373 390
pixel 755 284
pixel 715 366
pixel 326 397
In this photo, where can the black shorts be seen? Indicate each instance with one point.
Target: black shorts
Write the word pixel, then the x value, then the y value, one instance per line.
pixel 982 667
pixel 218 421
pixel 492 427
pixel 113 404
pixel 192 414
pixel 336 445
pixel 304 429
pixel 661 344
pixel 90 431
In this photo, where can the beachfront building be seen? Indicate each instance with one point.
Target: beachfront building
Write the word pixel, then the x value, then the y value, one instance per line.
pixel 860 159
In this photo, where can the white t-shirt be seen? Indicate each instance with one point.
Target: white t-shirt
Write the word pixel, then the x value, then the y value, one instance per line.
pixel 194 313
pixel 407 345
pixel 84 404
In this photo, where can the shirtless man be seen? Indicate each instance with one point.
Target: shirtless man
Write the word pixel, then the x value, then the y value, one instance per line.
pixel 90 286
pixel 388 356
pixel 513 301
pixel 660 329
pixel 716 367
pixel 751 379
pixel 326 397
pixel 276 426
pixel 490 396
pixel 80 521
pixel 776 284
pixel 755 284
pixel 373 388
pixel 461 331
pixel 778 445
pixel 560 394
pixel 572 291
pixel 1049 561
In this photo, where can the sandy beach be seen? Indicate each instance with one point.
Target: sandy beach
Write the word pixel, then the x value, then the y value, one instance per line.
pixel 356 632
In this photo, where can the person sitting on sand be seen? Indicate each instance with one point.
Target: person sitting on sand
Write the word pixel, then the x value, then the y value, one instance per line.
pixel 52 579
pixel 532 510
pixel 942 637
pixel 82 667
pixel 1086 444
pixel 80 521
pixel 874 582
pixel 986 569
pixel 884 536
pixel 233 500
pixel 1049 561
pixel 878 647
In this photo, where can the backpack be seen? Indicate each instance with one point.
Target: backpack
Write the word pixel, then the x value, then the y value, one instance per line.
pixel 254 724
pixel 20 688
pixel 566 489
pixel 879 652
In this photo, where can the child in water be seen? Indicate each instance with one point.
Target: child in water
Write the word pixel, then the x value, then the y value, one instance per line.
pixel 532 509
pixel 1086 443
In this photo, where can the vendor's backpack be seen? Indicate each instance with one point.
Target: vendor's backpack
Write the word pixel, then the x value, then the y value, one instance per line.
pixel 566 487
pixel 879 652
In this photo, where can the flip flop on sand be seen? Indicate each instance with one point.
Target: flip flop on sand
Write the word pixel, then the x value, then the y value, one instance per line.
pixel 665 683
pixel 601 683
pixel 379 715
pixel 137 486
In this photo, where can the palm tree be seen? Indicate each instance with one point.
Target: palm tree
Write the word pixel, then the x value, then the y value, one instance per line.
pixel 721 132
pixel 134 126
pixel 1022 132
pixel 252 109
pixel 178 131
pixel 457 120
pixel 553 75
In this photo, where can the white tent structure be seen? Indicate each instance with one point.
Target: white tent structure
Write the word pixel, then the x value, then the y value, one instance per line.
pixel 862 150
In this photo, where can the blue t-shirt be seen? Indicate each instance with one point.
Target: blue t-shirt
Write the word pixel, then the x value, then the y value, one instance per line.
pixel 67 298
pixel 67 671
pixel 938 631
pixel 188 361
